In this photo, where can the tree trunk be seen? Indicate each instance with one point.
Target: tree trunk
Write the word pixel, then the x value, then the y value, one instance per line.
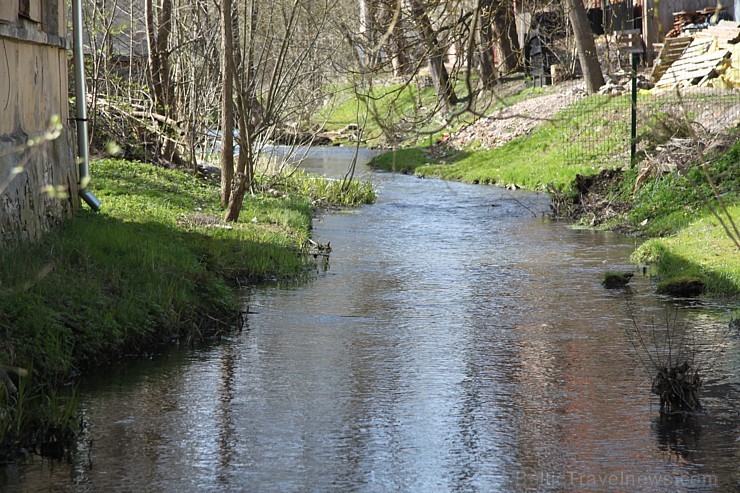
pixel 364 30
pixel 166 92
pixel 151 39
pixel 499 43
pixel 249 116
pixel 166 97
pixel 236 199
pixel 505 37
pixel 158 31
pixel 586 46
pixel 227 103
pixel 435 54
pixel 390 21
pixel 400 56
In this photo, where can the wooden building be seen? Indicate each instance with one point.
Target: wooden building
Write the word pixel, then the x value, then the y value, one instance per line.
pixel 38 169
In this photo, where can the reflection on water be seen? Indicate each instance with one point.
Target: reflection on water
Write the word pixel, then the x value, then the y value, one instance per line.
pixel 455 342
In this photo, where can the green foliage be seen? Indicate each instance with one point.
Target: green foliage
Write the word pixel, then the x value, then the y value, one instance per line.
pixel 324 192
pixel 41 418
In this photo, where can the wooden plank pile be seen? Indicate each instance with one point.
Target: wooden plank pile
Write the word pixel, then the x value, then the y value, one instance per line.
pixel 672 50
pixel 686 18
pixel 707 56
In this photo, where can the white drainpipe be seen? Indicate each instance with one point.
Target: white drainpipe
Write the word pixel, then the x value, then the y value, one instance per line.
pixel 81 106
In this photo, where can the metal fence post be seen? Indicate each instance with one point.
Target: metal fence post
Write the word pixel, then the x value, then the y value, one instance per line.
pixel 633 130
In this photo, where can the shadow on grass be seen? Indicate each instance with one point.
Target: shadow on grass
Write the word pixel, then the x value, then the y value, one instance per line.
pixel 680 277
pixel 101 289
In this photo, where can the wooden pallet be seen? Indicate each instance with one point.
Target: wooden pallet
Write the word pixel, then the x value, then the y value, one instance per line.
pixel 671 51
pixel 696 64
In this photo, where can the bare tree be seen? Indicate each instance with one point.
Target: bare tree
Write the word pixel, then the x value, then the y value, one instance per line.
pixel 227 102
pixel 499 45
pixel 280 54
pixel 397 43
pixel 159 28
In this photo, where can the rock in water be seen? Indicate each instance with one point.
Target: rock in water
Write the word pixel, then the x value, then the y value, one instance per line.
pixel 613 280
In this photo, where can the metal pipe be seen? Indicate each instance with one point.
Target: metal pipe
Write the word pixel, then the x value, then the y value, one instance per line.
pixel 81 108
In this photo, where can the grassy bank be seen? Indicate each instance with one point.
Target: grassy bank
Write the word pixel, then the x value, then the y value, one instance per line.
pixel 534 161
pixel 155 265
pixel 692 234
pixel 687 241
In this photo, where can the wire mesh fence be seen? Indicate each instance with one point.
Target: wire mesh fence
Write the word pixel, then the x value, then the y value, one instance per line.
pixel 601 129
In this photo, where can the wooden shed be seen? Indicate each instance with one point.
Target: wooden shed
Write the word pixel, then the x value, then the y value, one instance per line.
pixel 38 169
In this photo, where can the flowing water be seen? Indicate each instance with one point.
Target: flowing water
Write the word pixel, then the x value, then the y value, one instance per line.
pixel 456 341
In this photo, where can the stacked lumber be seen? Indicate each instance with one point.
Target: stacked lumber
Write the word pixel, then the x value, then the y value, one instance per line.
pixel 686 18
pixel 696 65
pixel 672 50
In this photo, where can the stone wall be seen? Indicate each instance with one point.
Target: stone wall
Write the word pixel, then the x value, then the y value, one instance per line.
pixel 33 92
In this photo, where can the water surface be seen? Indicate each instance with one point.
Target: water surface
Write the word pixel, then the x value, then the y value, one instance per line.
pixel 457 341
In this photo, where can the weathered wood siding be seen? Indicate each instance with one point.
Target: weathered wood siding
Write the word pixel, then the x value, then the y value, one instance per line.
pixel 33 90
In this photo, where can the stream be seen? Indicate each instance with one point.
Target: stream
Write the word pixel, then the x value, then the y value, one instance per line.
pixel 456 341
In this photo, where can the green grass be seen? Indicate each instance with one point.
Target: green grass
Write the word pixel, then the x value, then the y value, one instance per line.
pixel 328 192
pixel 586 136
pixel 689 240
pixel 406 112
pixel 533 161
pixel 702 250
pixel 153 266
pixel 390 110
